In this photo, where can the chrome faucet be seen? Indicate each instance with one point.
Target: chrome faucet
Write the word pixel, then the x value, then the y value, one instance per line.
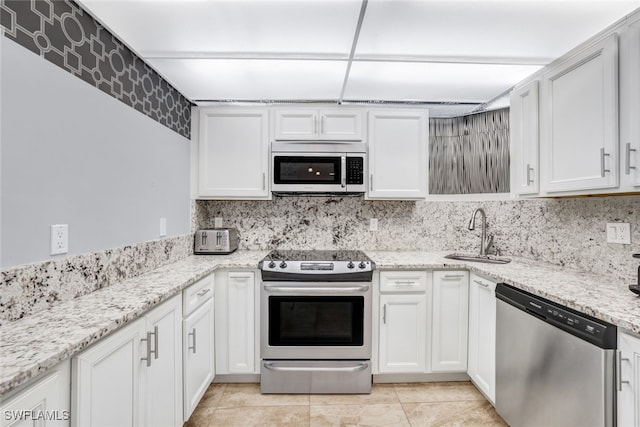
pixel 485 241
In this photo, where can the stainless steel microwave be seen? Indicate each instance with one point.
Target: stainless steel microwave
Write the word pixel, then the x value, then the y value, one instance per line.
pixel 317 168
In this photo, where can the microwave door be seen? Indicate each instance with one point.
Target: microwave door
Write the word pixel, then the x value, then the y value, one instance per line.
pixel 308 172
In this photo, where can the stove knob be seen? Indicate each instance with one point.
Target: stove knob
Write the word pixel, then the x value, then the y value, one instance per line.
pixel 283 264
pixel 272 264
pixel 361 265
pixel 350 265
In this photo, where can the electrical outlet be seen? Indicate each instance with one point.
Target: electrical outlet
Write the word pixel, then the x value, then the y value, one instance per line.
pixel 619 232
pixel 373 224
pixel 163 227
pixel 59 239
pixel 217 222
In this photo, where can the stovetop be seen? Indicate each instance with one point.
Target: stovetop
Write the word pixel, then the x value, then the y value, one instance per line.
pixel 316 255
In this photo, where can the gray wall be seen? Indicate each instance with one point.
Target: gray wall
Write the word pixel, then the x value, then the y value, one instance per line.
pixel 72 154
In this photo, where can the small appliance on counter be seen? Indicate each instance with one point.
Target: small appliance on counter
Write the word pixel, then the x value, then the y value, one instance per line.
pixel 636 288
pixel 216 241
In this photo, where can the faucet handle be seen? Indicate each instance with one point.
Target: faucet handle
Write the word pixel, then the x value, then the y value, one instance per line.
pixel 487 243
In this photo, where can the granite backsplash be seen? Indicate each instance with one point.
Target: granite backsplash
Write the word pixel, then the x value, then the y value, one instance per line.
pixel 569 231
pixel 29 288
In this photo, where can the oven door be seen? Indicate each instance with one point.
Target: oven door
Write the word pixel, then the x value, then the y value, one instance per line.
pixel 316 320
pixel 309 172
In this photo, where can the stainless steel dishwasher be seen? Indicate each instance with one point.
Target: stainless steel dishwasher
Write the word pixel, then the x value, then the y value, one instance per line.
pixel 554 366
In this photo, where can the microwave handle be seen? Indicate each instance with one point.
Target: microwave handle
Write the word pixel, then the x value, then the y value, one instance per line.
pixel 344 171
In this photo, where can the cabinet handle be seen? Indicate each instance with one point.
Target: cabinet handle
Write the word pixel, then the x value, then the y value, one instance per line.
pixel 193 334
pixel 529 170
pixel 627 162
pixel 155 342
pixel 371 182
pixel 384 314
pixel 603 170
pixel 619 360
pixel 148 343
pixel 453 276
pixel 404 282
pixel 264 181
pixel 203 292
pixel 484 285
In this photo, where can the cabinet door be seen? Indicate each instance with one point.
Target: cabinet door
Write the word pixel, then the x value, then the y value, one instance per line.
pixel 398 157
pixel 403 333
pixel 629 387
pixel 524 139
pixel 630 108
pixel 105 380
pixel 450 321
pixel 233 153
pixel 341 125
pixel 482 334
pixel 198 356
pixel 580 121
pixel 162 374
pixel 296 124
pixel 42 404
pixel 241 328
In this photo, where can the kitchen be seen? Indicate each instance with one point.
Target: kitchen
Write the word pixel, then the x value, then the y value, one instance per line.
pixel 138 179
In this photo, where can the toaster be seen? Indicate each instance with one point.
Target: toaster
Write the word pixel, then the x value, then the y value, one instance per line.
pixel 216 241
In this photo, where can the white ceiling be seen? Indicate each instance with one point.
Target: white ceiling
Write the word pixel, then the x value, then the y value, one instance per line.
pixel 455 54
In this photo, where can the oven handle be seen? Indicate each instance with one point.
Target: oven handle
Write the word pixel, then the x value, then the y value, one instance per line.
pixel 275 367
pixel 318 289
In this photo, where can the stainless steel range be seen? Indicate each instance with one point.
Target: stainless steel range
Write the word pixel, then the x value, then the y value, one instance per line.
pixel 316 322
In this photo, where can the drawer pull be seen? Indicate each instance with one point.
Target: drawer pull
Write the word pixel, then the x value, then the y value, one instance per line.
pixel 405 282
pixel 203 292
pixel 484 285
pixel 453 276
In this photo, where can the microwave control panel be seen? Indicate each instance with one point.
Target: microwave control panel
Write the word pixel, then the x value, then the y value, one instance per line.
pixel 355 170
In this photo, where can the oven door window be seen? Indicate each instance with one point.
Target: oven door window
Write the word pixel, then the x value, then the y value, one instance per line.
pixel 307 170
pixel 316 321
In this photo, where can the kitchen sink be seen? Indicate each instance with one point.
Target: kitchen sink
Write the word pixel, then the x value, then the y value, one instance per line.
pixel 489 259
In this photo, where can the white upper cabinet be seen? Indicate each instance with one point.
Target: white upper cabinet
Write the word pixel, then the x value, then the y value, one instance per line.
pixel 579 121
pixel 312 124
pixel 524 139
pixel 630 108
pixel 233 154
pixel 398 156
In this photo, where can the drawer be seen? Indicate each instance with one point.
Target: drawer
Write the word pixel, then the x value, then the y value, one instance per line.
pixel 196 294
pixel 485 283
pixel 403 281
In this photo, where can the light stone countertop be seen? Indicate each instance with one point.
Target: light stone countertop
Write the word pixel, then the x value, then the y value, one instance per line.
pixel 34 344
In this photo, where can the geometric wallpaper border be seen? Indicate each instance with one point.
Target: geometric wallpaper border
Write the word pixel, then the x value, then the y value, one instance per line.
pixel 61 32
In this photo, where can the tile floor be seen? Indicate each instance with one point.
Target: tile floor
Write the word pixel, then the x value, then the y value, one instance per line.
pixel 419 404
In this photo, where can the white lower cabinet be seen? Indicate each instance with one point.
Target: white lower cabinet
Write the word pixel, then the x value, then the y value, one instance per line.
pixel 450 321
pixel 629 380
pixel 236 317
pixel 133 376
pixel 482 334
pixel 45 403
pixel 403 322
pixel 197 343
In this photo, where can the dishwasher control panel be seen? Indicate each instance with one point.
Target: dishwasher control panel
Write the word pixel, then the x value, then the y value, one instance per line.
pixel 581 325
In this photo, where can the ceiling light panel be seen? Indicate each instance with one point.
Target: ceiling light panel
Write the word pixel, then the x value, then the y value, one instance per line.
pixel 195 28
pixel 435 82
pixel 518 32
pixel 218 79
